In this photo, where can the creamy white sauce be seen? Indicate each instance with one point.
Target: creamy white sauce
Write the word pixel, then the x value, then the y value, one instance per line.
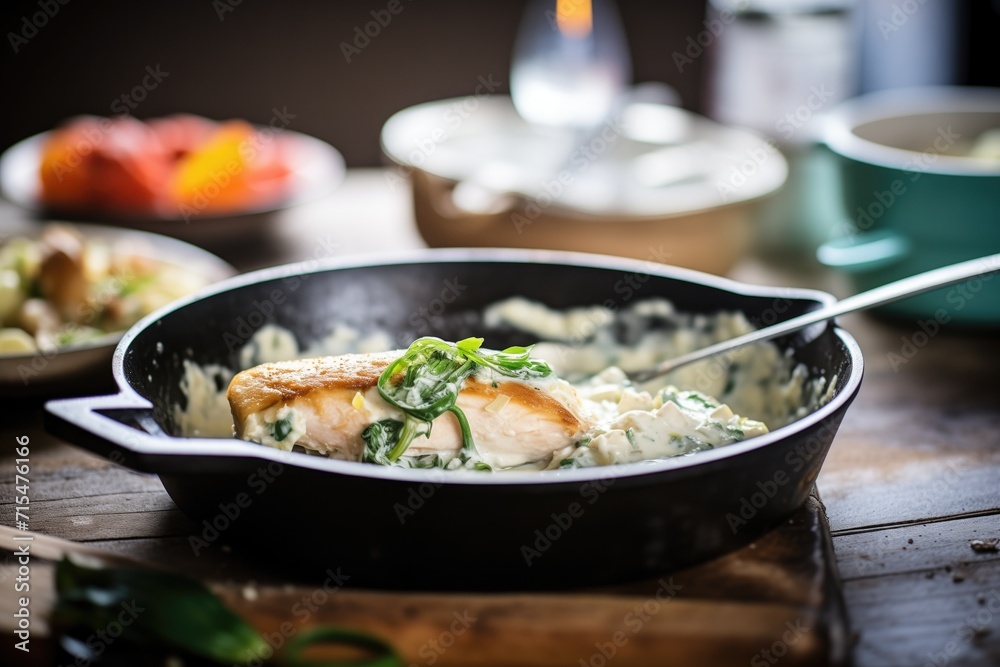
pixel 272 343
pixel 759 380
pixel 207 414
pixel 279 426
pixel 635 425
pixel 695 408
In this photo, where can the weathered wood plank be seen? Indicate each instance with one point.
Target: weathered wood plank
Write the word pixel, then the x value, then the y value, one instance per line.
pixel 81 484
pixel 133 501
pixel 118 525
pixel 909 619
pixel 931 549
pixel 112 516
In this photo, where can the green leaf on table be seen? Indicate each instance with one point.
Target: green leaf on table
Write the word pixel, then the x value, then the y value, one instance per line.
pixel 163 613
pixel 164 609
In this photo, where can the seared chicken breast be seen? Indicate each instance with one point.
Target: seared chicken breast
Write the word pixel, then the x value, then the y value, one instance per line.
pixel 324 404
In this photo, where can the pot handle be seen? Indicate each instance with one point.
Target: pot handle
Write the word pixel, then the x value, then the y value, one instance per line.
pixel 864 252
pixel 122 429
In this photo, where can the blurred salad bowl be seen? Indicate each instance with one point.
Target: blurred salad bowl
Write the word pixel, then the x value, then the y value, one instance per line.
pixel 67 292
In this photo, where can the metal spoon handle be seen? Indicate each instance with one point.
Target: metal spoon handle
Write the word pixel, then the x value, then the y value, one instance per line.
pixel 900 289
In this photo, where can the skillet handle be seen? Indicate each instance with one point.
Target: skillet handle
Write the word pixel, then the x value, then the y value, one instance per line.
pixel 121 428
pixel 131 438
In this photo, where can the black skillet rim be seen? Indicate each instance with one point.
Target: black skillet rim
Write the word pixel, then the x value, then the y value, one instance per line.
pixel 145 444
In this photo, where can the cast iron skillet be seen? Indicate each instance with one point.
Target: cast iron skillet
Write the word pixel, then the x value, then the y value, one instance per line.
pixel 455 530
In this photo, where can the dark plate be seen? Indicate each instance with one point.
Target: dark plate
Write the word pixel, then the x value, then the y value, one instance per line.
pixel 456 530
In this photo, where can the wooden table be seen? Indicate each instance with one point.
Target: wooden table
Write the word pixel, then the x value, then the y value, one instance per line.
pixel 913 477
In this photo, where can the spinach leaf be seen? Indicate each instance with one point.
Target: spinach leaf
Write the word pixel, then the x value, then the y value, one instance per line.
pixel 280 429
pixel 424 383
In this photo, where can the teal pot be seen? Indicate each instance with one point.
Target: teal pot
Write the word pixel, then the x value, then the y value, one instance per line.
pixel 921 187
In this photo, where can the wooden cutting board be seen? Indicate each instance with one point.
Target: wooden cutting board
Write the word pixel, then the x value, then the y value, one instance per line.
pixel 776 600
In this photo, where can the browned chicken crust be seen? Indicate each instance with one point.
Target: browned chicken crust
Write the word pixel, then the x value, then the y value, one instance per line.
pixel 324 390
pixel 260 387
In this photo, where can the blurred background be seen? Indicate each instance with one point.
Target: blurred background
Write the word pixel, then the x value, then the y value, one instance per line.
pixel 232 58
pixel 690 132
pixel 771 141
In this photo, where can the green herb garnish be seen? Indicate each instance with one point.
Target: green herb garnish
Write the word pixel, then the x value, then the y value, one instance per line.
pixel 688 397
pixel 280 429
pixel 425 461
pixel 698 445
pixel 630 436
pixel 424 384
pixel 698 398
